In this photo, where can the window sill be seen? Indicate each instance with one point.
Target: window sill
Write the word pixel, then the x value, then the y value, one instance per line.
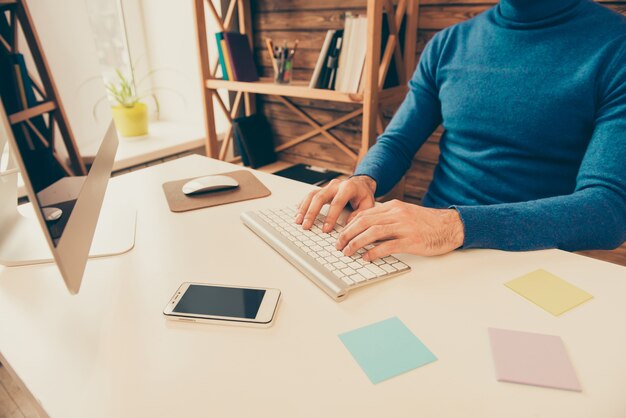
pixel 166 138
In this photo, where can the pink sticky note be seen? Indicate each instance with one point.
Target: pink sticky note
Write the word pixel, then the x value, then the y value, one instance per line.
pixel 532 359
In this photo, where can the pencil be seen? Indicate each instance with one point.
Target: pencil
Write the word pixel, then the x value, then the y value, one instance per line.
pixel 270 49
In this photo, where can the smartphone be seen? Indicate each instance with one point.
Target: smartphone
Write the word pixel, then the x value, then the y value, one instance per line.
pixel 223 304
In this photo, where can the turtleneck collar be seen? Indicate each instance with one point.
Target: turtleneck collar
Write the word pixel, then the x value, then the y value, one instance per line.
pixel 521 12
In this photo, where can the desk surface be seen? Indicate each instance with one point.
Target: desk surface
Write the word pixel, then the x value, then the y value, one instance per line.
pixel 108 352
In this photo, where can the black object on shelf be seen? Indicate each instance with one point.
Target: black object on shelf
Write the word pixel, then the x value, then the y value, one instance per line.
pixel 254 138
pixel 308 174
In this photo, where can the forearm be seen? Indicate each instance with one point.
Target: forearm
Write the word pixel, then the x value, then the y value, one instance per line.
pixel 593 218
pixel 416 119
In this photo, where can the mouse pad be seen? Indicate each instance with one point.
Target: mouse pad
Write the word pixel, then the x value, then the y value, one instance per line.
pixel 249 188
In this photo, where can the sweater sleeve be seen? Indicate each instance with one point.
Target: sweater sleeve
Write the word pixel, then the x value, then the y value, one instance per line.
pixel 593 216
pixel 416 119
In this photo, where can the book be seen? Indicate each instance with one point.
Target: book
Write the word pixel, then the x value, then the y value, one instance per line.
pixel 330 61
pixel 391 80
pixel 333 64
pixel 255 136
pixel 321 59
pixel 238 148
pixel 353 53
pixel 227 60
pixel 219 36
pixel 308 174
pixel 355 58
pixel 242 63
pixel 343 55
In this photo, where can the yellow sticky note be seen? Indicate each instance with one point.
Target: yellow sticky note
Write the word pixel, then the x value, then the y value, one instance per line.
pixel 548 291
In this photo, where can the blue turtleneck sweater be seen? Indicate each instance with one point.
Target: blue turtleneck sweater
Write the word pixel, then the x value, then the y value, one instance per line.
pixel 532 98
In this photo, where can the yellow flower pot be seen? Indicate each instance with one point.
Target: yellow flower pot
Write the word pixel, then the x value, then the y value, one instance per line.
pixel 131 121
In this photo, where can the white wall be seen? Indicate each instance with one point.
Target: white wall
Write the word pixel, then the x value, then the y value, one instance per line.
pixel 64 31
pixel 171 49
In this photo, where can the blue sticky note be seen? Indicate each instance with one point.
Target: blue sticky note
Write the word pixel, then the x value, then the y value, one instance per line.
pixel 386 349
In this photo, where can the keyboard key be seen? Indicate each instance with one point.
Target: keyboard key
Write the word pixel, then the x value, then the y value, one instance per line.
pixel 345 259
pixel 329 267
pixel 390 260
pixel 348 271
pixel 323 253
pixel 332 259
pixel 378 262
pixel 338 273
pixel 375 269
pixel 366 273
pixel 340 265
pixel 357 278
pixel 388 268
pixel 347 281
pixel 400 266
pixel 354 265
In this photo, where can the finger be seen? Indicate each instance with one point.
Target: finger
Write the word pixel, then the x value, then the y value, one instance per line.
pixel 336 206
pixel 383 250
pixel 364 204
pixel 377 209
pixel 354 214
pixel 319 200
pixel 361 222
pixel 304 206
pixel 369 236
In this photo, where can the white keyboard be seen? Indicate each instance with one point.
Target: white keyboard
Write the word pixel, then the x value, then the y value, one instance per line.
pixel 313 252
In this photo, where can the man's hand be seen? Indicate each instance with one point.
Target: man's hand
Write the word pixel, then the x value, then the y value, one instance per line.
pixel 399 227
pixel 358 191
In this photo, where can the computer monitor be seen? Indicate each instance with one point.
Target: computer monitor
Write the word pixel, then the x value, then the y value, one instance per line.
pixel 65 214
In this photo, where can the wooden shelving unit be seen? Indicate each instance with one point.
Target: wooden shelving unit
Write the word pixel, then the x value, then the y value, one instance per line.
pixel 48 97
pixel 369 101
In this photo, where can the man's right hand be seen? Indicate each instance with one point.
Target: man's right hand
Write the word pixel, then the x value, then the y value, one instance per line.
pixel 358 191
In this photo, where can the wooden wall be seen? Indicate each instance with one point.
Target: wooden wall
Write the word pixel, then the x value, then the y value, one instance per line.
pixel 308 21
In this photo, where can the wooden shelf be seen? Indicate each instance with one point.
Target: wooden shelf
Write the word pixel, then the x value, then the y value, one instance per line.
pixel 294 89
pixel 29 113
pixel 367 103
pixel 301 90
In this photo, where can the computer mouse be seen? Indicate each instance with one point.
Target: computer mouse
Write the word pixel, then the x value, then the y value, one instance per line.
pixel 52 214
pixel 209 184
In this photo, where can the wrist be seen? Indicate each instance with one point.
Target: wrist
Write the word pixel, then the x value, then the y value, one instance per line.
pixel 366 180
pixel 455 227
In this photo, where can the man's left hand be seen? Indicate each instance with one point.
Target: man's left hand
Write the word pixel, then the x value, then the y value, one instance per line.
pixel 400 227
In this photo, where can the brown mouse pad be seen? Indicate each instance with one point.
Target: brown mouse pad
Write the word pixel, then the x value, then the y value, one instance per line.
pixel 249 188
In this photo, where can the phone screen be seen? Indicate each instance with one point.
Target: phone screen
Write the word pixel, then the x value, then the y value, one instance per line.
pixel 220 301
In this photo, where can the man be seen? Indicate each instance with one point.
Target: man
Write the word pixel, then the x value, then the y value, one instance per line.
pixel 532 97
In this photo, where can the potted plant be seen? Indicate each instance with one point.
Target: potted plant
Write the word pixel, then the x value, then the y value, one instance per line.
pixel 130 114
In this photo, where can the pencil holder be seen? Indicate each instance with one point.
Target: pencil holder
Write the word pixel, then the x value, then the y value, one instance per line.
pixel 283 70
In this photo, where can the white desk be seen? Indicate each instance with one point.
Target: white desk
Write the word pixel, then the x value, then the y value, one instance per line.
pixel 108 352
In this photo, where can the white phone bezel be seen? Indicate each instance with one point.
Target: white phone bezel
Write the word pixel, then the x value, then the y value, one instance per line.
pixel 264 316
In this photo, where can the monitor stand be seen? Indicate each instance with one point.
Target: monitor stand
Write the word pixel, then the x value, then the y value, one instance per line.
pixel 22 240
